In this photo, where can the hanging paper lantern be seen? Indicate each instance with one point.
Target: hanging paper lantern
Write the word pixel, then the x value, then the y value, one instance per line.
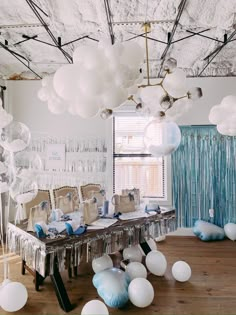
pixel 161 138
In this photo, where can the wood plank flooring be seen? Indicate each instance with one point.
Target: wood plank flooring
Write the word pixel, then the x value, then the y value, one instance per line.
pixel 211 289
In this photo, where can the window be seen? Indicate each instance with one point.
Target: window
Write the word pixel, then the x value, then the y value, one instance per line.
pixel 133 166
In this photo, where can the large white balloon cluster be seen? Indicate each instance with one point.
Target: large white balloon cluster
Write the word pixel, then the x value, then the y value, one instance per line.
pixel 47 93
pixel 101 79
pixel 224 116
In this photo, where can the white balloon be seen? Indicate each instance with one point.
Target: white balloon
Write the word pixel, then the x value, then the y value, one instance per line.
pixel 89 55
pixel 13 296
pixel 215 115
pixel 66 81
pixel 94 307
pixel 156 262
pixel 87 108
pixel 46 80
pixel 133 89
pixel 91 82
pixel 23 189
pixel 136 270
pixel 175 83
pixel 230 231
pixel 178 108
pixel 114 97
pixel 15 136
pixel 161 137
pixel 132 253
pixel 56 107
pixel 181 271
pixel 141 292
pixel 43 94
pixel 102 263
pixel 5 118
pixel 229 101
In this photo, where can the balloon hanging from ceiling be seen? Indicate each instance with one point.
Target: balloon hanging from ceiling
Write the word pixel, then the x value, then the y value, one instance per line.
pixel 224 116
pixel 99 81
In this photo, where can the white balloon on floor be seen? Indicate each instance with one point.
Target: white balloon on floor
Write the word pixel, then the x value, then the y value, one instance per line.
pixel 13 296
pixel 141 292
pixel 132 253
pixel 156 262
pixel 230 231
pixel 136 270
pixel 102 263
pixel 94 307
pixel 181 271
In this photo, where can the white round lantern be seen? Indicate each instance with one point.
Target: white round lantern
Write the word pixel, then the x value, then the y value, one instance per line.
pixel 161 137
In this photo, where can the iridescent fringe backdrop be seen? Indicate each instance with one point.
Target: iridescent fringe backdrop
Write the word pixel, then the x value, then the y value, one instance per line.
pixel 204 176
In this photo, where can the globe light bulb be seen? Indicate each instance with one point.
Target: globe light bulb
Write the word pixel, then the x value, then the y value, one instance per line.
pixel 170 64
pixel 194 93
pixel 106 113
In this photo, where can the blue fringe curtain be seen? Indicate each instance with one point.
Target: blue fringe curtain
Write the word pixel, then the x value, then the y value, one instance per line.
pixel 204 176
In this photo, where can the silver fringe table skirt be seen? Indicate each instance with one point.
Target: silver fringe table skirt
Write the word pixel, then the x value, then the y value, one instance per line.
pixel 68 251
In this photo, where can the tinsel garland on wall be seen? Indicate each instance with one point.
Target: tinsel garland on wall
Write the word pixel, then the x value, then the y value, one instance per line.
pixel 204 176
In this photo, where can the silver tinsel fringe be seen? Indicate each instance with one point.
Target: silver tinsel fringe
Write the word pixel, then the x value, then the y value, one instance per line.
pixel 41 257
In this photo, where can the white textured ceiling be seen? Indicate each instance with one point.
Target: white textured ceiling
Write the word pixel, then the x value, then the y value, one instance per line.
pixel 73 19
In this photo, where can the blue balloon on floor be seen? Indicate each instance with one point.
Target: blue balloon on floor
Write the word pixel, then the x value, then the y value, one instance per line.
pixel 112 286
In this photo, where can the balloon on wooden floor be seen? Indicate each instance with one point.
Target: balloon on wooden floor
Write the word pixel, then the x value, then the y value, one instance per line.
pixel 141 292
pixel 181 271
pixel 94 307
pixel 156 262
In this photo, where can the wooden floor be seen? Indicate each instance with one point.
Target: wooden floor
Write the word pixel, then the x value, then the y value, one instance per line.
pixel 211 289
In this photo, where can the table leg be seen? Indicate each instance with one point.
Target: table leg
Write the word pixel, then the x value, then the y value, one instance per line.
pixel 60 290
pixel 145 247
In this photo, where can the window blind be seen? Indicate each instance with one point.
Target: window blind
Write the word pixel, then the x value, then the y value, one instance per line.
pixel 133 166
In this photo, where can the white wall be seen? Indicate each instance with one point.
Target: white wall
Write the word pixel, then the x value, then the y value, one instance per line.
pixel 214 89
pixel 27 108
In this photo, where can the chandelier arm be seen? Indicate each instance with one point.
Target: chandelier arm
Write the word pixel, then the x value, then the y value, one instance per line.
pixel 146 26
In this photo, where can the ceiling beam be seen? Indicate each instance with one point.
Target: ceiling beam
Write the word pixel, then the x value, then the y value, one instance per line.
pixel 170 38
pixel 109 20
pixel 19 58
pixel 214 53
pixel 35 9
pixel 208 37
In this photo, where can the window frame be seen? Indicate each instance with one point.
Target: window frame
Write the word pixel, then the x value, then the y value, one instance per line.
pixel 166 200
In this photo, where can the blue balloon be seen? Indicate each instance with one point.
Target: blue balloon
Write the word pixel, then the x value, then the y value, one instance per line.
pixel 112 286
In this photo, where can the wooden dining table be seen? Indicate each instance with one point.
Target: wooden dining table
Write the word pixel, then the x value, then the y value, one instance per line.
pixel 50 256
